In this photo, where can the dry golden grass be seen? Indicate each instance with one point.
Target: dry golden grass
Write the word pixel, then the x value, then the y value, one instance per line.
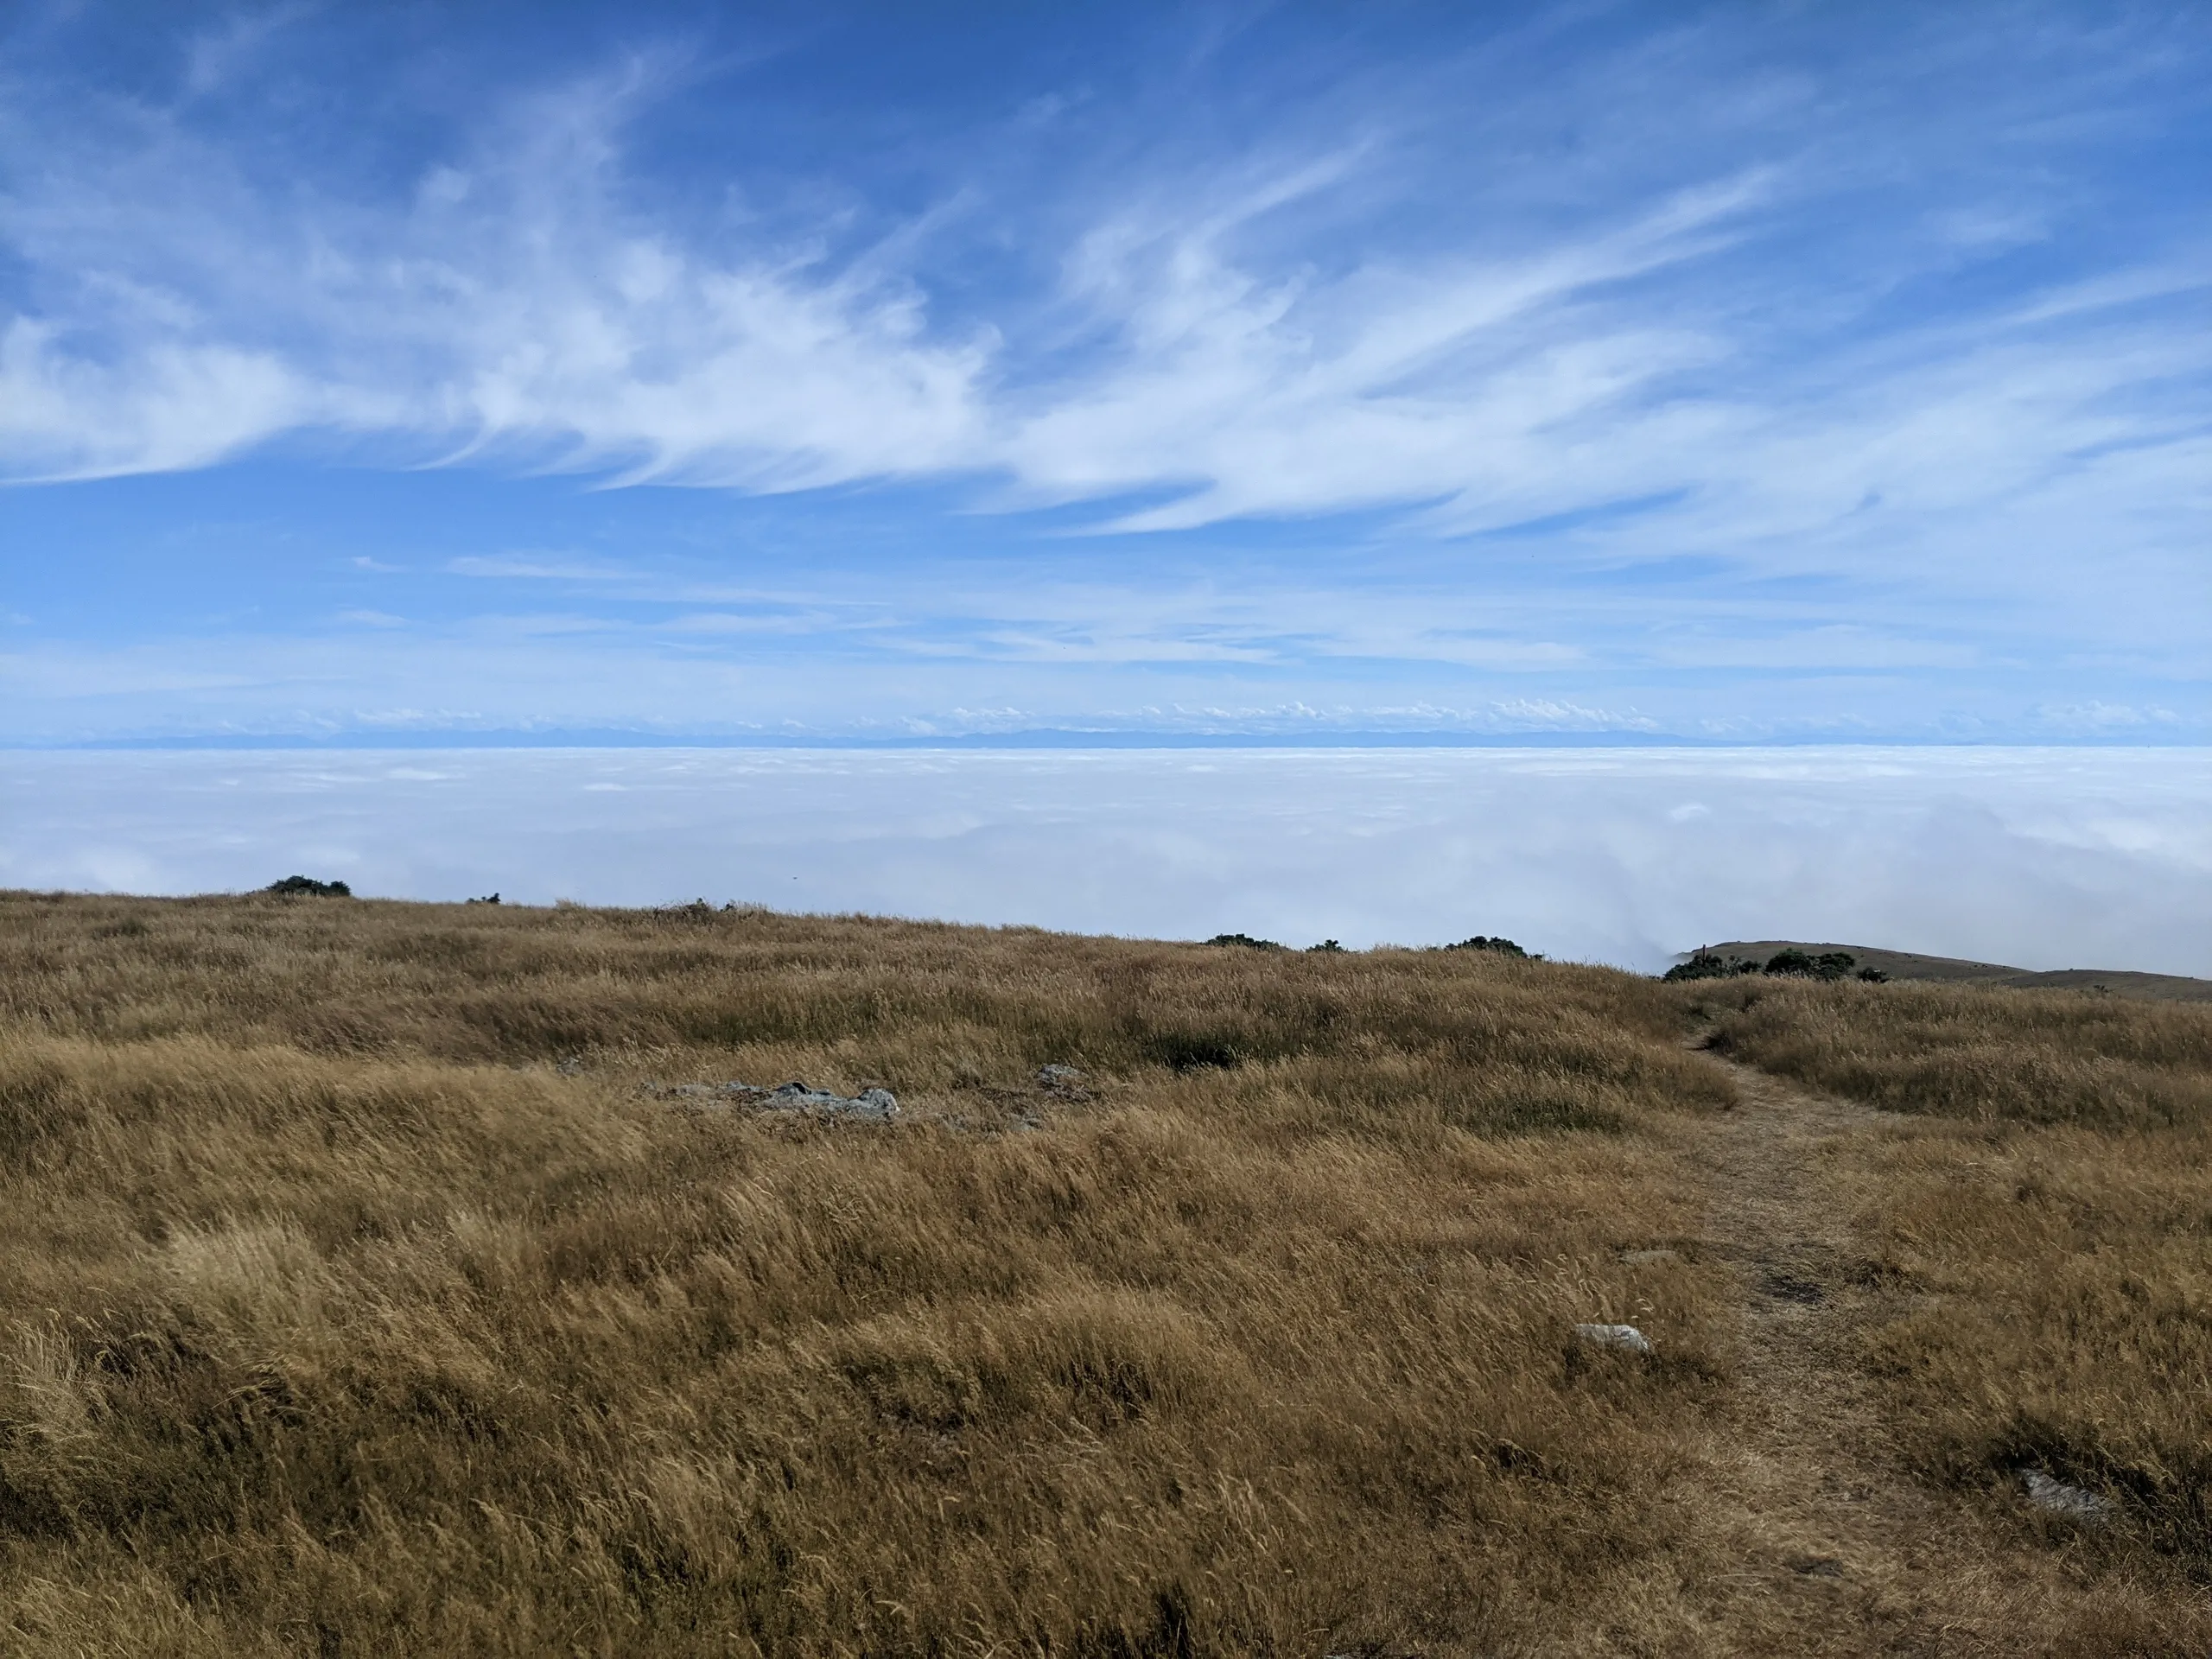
pixel 356 1297
pixel 337 1319
pixel 2051 1227
pixel 2024 1057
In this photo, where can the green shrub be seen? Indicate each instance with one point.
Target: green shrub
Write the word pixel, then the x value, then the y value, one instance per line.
pixel 309 886
pixel 1708 965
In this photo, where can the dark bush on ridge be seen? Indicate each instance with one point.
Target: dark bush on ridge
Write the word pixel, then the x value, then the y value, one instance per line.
pixel 1244 939
pixel 1708 965
pixel 1503 947
pixel 1790 964
pixel 308 883
pixel 1803 965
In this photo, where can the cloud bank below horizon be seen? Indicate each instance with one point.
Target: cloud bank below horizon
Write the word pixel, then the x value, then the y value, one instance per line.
pixel 2043 859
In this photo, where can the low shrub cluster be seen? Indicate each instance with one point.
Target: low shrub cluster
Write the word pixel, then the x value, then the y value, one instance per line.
pixel 1503 947
pixel 1789 963
pixel 308 887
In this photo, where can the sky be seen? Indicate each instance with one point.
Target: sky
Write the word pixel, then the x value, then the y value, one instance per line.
pixel 473 373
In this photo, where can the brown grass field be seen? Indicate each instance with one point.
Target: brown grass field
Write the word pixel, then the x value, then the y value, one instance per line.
pixel 358 1297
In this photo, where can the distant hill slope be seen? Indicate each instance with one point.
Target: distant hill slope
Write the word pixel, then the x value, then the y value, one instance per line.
pixel 1906 964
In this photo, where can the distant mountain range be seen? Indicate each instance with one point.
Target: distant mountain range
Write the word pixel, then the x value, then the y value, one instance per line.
pixel 1906 964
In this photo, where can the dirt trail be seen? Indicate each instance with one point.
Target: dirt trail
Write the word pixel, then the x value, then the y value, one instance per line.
pixel 1838 1549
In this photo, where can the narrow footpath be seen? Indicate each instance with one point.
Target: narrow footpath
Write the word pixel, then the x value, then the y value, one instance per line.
pixel 1838 1549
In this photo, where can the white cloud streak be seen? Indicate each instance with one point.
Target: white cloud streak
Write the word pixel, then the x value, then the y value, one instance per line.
pixel 169 405
pixel 523 308
pixel 513 309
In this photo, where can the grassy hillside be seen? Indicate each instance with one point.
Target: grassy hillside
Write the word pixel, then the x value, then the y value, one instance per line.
pixel 337 1308
pixel 363 1289
pixel 1955 971
pixel 2054 1218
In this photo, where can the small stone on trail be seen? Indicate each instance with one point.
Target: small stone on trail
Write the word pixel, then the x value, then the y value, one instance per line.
pixel 1615 1336
pixel 2076 1503
pixel 1645 1258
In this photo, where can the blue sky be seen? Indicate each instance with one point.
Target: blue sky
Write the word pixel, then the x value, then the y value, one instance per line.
pixel 1748 372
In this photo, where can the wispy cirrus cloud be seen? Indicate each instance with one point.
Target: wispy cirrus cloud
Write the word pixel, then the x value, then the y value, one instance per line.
pixel 164 404
pixel 1218 356
pixel 514 310
pixel 1288 394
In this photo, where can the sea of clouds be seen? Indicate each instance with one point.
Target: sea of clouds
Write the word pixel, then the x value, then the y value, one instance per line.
pixel 2046 858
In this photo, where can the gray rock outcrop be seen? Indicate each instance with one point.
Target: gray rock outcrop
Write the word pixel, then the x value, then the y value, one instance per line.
pixel 870 1105
pixel 2074 1502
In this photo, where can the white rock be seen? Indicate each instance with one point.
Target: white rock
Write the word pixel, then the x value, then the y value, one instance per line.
pixel 1615 1336
pixel 1645 1258
pixel 872 1105
pixel 1059 1077
pixel 877 1105
pixel 2076 1503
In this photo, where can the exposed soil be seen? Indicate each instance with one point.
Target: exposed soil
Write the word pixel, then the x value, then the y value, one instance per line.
pixel 1838 1550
